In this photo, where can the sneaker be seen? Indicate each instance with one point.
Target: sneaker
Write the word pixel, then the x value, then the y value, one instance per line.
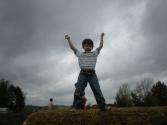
pixel 107 108
pixel 73 110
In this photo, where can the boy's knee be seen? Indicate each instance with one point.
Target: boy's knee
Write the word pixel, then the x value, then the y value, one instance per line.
pixel 79 93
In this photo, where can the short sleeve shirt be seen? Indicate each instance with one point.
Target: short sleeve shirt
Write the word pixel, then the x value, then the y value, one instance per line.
pixel 87 60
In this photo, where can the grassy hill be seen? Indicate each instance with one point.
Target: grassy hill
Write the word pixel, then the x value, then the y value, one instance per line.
pixel 116 116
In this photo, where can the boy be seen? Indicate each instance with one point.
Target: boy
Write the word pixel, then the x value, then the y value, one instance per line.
pixel 87 61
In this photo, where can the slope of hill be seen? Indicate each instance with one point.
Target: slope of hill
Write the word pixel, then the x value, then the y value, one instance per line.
pixel 116 116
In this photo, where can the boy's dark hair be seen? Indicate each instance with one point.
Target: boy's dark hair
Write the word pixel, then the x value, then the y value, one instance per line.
pixel 87 41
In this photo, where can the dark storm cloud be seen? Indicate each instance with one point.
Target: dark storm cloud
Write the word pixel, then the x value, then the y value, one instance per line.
pixel 145 56
pixel 29 40
pixel 35 55
pixel 36 26
pixel 33 31
pixel 25 28
pixel 154 30
pixel 17 27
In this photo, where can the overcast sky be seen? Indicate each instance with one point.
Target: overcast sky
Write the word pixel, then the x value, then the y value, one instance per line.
pixel 35 56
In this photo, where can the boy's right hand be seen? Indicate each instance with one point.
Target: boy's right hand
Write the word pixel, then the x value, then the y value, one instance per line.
pixel 67 37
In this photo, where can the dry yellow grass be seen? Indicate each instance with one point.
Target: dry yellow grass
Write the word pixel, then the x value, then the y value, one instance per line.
pixel 116 116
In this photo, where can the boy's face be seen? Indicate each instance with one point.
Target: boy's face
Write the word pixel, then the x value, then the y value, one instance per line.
pixel 87 47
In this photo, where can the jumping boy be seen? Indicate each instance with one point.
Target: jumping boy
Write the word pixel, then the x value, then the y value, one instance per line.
pixel 87 61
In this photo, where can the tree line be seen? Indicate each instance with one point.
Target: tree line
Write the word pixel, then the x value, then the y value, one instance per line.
pixel 146 93
pixel 11 96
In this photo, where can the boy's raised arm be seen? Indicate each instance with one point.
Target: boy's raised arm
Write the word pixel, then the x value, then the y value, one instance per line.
pixel 70 43
pixel 101 41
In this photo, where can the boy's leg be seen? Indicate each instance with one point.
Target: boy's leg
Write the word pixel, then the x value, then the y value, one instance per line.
pixel 94 84
pixel 79 90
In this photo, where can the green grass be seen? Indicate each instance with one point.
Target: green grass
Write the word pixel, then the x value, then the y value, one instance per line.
pixel 116 116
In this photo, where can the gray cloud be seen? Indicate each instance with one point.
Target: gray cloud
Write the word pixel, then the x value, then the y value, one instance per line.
pixel 35 55
pixel 154 29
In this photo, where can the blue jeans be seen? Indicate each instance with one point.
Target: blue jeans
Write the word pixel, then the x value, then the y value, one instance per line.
pixel 80 86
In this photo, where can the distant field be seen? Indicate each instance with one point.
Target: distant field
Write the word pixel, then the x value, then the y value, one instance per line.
pixel 16 117
pixel 116 116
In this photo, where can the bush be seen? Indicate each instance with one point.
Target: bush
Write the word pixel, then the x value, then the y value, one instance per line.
pixel 123 96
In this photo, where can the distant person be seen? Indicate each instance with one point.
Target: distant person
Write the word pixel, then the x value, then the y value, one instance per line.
pixel 87 61
pixel 50 103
